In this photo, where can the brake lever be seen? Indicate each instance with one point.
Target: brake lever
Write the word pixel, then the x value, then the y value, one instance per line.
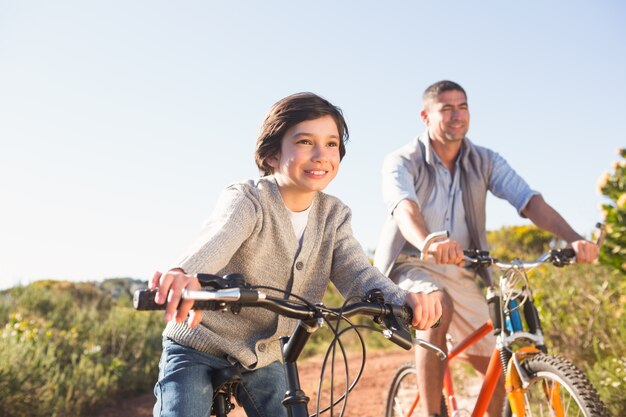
pixel 396 331
pixel 429 346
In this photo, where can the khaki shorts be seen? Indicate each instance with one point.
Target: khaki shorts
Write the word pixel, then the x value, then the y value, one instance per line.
pixel 470 306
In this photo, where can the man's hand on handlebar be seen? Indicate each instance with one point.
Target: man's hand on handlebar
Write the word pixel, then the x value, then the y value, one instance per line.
pixel 170 286
pixel 426 309
pixel 446 252
pixel 586 251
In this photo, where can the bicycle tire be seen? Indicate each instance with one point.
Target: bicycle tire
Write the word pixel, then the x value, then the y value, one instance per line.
pixel 402 393
pixel 578 397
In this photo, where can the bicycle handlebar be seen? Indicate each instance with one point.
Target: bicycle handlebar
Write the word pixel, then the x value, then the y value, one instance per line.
pixel 215 299
pixel 557 257
pixel 395 318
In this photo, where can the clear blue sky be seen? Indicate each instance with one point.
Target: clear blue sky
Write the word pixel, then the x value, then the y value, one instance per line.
pixel 121 121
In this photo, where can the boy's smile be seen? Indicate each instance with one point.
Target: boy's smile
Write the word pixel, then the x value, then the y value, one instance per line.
pixel 308 161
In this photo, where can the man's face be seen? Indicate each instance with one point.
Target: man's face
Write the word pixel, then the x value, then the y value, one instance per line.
pixel 447 117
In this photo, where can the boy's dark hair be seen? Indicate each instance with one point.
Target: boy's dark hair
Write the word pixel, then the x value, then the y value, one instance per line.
pixel 435 90
pixel 287 113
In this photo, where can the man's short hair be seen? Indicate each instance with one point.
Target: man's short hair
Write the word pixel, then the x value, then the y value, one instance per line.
pixel 435 90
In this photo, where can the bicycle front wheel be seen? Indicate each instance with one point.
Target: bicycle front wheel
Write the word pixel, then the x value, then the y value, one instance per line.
pixel 555 385
pixel 403 396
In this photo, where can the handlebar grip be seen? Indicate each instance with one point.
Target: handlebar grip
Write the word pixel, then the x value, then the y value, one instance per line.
pixel 144 300
pixel 475 253
pixel 407 317
pixel 601 235
pixel 562 257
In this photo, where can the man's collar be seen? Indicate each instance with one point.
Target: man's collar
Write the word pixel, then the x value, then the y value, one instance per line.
pixel 431 156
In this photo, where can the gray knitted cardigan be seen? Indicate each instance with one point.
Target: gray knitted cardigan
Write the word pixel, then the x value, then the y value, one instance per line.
pixel 249 232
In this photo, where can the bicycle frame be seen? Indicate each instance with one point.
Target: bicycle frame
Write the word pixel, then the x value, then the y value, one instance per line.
pixel 491 377
pixel 296 402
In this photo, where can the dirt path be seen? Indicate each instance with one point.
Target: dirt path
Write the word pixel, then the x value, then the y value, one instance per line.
pixel 367 399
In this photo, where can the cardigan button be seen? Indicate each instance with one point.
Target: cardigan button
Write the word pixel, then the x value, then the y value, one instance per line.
pixel 262 347
pixel 299 265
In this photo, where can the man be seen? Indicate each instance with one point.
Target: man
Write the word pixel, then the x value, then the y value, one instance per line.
pixel 439 182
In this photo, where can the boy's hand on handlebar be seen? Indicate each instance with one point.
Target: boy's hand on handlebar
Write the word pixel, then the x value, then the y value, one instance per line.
pixel 426 309
pixel 447 252
pixel 586 252
pixel 170 286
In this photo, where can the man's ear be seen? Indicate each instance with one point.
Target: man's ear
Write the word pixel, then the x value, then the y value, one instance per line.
pixel 424 115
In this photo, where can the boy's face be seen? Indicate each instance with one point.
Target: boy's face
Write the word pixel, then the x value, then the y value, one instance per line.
pixel 308 160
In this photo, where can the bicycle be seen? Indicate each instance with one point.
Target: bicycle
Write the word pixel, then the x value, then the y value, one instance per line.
pixel 231 293
pixel 536 383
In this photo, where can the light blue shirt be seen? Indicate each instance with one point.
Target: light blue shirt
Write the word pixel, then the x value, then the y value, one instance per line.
pixel 443 208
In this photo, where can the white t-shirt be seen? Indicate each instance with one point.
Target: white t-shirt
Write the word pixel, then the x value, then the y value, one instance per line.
pixel 299 220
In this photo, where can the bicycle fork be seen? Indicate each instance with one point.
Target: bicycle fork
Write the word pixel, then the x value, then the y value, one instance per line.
pixel 516 383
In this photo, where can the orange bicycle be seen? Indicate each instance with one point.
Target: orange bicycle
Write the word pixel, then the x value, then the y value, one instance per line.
pixel 537 384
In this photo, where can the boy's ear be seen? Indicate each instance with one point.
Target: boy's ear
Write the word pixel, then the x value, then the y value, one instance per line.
pixel 273 161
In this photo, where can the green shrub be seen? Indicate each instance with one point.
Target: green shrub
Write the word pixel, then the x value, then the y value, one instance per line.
pixel 69 348
pixel 609 376
pixel 612 185
pixel 524 242
pixel 609 372
pixel 582 310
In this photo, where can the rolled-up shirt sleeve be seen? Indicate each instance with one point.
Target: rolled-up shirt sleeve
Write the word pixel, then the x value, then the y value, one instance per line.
pixel 398 182
pixel 505 183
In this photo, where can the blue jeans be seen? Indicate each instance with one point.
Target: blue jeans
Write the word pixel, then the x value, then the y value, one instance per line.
pixel 184 387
